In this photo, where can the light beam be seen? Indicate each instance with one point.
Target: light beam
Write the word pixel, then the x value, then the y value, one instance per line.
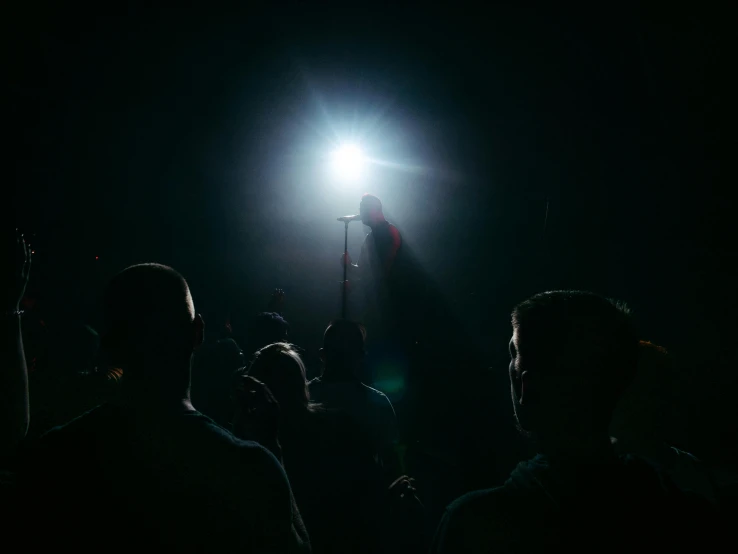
pixel 348 162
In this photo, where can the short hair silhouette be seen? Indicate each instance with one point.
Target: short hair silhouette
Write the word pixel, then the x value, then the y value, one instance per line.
pixel 371 202
pixel 148 314
pixel 370 210
pixel 280 367
pixel 344 339
pixel 579 335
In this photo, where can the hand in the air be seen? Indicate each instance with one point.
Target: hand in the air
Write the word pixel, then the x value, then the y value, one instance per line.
pixel 276 302
pixel 17 272
pixel 256 415
pixel 401 487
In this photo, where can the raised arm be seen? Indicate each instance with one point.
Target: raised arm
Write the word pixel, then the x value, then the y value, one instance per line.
pixel 14 403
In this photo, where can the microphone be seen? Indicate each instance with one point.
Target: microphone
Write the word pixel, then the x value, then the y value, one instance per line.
pixel 348 218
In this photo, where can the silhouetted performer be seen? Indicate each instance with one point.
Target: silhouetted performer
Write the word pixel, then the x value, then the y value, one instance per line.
pixel 572 355
pixel 376 262
pixel 147 470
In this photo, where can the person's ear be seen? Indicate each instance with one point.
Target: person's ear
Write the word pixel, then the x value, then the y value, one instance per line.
pixel 526 388
pixel 199 334
pixel 321 353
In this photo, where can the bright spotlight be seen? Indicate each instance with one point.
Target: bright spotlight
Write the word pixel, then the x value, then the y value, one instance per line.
pixel 348 162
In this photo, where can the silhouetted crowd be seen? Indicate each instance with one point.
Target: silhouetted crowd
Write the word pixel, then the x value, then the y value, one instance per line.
pixel 234 452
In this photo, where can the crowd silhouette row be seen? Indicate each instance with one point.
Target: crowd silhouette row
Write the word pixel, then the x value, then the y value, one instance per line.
pixel 237 452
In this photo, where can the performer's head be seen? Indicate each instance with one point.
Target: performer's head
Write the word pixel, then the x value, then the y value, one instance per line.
pixel 370 210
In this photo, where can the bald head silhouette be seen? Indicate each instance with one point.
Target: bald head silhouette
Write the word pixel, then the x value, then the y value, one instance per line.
pixel 151 327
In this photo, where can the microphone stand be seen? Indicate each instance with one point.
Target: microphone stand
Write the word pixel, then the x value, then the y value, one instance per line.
pixel 344 300
pixel 345 270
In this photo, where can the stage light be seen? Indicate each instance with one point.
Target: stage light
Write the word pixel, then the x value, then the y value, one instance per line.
pixel 348 162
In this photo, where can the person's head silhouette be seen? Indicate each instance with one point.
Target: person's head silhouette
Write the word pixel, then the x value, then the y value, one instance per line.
pixel 151 329
pixel 370 210
pixel 280 367
pixel 572 355
pixel 343 350
pixel 268 328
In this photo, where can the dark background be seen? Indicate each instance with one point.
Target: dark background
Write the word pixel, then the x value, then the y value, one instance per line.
pixel 198 139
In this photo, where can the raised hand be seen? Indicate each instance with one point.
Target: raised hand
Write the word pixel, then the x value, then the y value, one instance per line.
pixel 276 301
pixel 401 486
pixel 18 271
pixel 14 399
